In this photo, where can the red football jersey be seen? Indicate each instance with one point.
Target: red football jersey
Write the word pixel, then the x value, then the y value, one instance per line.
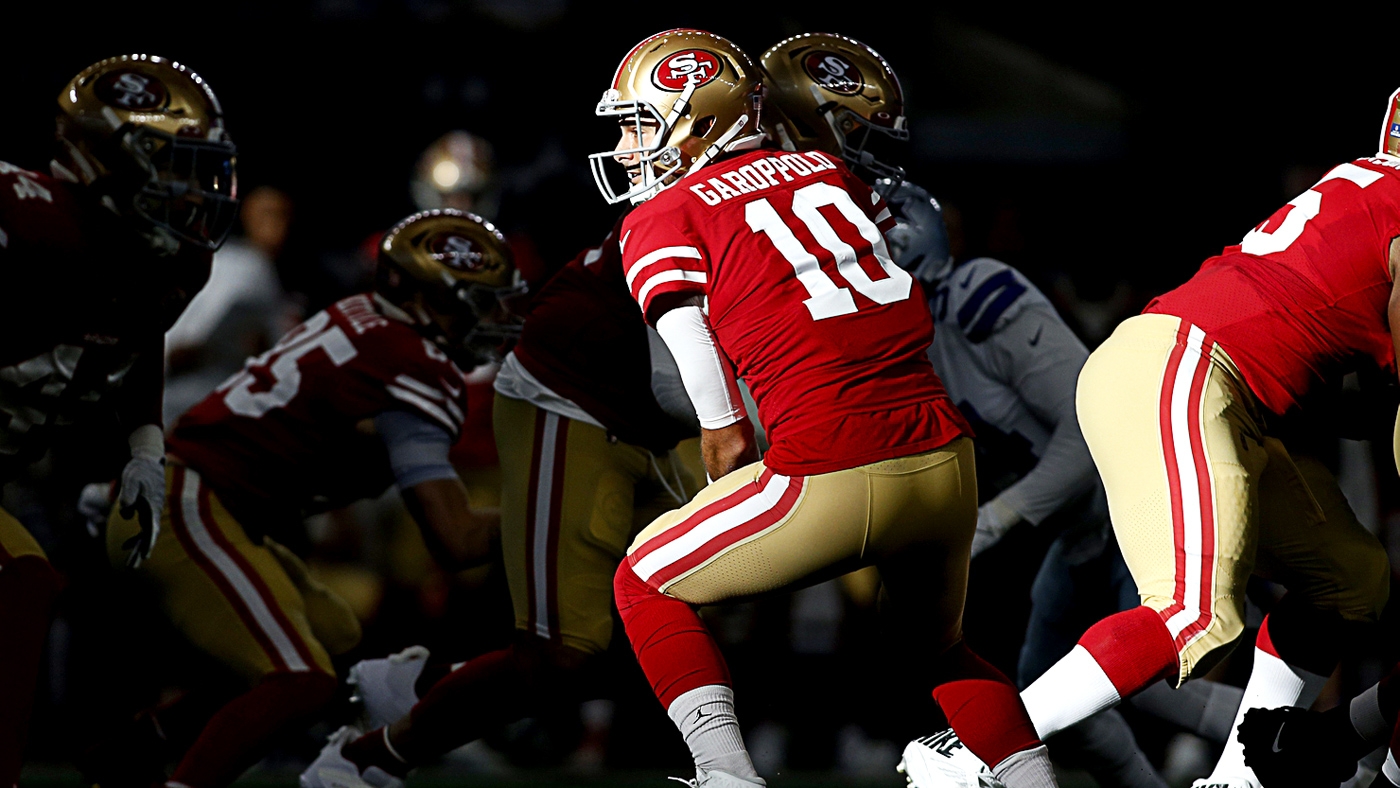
pixel 832 338
pixel 286 436
pixel 1303 297
pixel 86 308
pixel 584 338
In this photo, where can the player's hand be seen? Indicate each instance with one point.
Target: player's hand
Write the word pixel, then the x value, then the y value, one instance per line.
pixel 994 519
pixel 95 503
pixel 143 494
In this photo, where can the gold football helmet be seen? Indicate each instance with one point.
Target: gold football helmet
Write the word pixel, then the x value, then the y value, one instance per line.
pixel 458 170
pixel 700 93
pixel 148 134
pixel 837 95
pixel 454 275
pixel 1390 131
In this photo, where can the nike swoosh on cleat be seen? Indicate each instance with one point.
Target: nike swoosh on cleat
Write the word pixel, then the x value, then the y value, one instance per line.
pixel 1277 736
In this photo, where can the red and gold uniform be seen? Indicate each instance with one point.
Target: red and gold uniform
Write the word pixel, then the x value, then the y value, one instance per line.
pixel 588 455
pixel 1176 405
pixel 284 438
pixel 839 371
pixel 83 340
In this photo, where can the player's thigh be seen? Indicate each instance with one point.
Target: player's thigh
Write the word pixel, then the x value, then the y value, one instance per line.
pixel 15 540
pixel 756 531
pixel 229 597
pixel 923 512
pixel 1175 435
pixel 567 516
pixel 1312 543
pixel 333 622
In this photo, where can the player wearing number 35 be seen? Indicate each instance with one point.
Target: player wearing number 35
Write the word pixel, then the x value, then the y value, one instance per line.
pixel 368 393
pixel 1176 408
pixel 772 266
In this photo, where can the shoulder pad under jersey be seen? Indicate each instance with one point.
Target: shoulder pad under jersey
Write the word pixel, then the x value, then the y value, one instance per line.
pixel 984 294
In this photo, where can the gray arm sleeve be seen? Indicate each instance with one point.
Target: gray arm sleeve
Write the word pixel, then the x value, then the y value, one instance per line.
pixel 666 383
pixel 417 447
pixel 1040 358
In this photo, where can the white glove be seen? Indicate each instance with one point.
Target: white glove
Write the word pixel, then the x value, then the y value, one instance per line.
pixel 95 504
pixel 994 519
pixel 143 491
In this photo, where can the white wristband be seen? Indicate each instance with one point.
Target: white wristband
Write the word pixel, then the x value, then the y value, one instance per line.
pixel 147 441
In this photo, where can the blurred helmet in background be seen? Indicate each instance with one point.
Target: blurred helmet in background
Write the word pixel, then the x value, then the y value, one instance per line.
pixel 458 170
pixel 919 240
pixel 1390 131
pixel 702 94
pixel 453 274
pixel 837 95
pixel 147 134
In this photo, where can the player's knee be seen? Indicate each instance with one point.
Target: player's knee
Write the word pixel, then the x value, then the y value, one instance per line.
pixel 628 588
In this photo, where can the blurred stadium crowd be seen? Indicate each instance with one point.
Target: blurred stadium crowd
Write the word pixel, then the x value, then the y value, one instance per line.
pixel 1103 176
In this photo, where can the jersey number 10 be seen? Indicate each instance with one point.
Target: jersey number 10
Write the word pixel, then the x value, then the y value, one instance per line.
pixel 825 299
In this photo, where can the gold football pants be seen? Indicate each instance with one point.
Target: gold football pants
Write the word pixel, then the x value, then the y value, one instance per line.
pixel 15 540
pixel 571 499
pixel 756 531
pixel 1201 498
pixel 253 607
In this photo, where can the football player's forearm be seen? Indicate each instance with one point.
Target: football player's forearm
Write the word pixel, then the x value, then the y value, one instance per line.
pixel 457 536
pixel 1064 472
pixel 708 378
pixel 728 449
pixel 141 396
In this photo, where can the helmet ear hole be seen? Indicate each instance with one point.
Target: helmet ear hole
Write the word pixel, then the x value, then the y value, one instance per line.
pixel 703 126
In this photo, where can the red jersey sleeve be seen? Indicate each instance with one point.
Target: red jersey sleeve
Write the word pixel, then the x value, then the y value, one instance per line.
pixel 427 382
pixel 662 260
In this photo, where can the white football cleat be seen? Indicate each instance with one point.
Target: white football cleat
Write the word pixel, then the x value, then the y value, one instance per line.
pixel 704 779
pixel 384 686
pixel 943 761
pixel 1225 782
pixel 333 770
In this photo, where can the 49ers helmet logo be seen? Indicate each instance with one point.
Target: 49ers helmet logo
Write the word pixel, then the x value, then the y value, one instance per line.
pixel 458 253
pixel 131 90
pixel 833 72
pixel 689 65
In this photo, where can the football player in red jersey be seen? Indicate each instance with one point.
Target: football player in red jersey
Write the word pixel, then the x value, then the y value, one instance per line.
pixel 1175 407
pixel 588 439
pixel 771 266
pixel 99 260
pixel 1286 746
pixel 367 393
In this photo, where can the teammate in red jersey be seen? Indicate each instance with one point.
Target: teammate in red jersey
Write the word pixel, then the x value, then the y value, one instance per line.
pixel 1175 407
pixel 589 453
pixel 98 262
pixel 772 266
pixel 365 394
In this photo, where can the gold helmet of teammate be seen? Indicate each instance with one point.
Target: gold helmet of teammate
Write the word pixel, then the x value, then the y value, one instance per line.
pixel 453 274
pixel 688 96
pixel 1390 131
pixel 147 134
pixel 457 170
pixel 837 95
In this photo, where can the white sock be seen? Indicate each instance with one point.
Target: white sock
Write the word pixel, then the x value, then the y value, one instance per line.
pixel 1391 770
pixel 705 717
pixel 1072 690
pixel 1366 717
pixel 1027 769
pixel 1272 683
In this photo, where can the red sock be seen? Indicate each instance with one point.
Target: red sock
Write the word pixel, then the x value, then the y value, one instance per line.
pixel 476 698
pixel 982 705
pixel 28 586
pixel 243 731
pixel 672 645
pixel 1133 647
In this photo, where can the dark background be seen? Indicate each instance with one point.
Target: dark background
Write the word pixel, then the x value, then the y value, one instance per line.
pixel 1086 147
pixel 1106 155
